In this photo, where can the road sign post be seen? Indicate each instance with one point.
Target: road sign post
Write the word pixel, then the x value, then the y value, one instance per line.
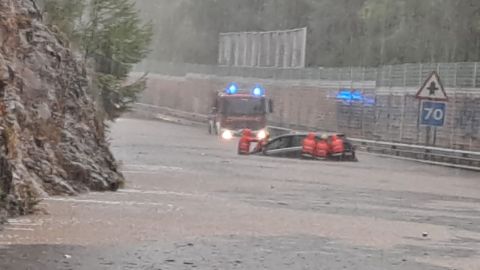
pixel 432 106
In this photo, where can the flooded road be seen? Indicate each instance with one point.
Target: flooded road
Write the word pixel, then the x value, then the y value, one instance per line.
pixel 191 203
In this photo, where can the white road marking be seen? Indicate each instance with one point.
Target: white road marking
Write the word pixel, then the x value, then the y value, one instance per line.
pixel 18 229
pixel 160 192
pixel 139 172
pixel 82 201
pixel 24 222
pixel 127 203
pixel 21 224
pixel 142 168
pixel 26 225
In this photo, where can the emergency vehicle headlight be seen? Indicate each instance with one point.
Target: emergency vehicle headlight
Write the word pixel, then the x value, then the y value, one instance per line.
pixel 227 135
pixel 258 91
pixel 262 134
pixel 232 89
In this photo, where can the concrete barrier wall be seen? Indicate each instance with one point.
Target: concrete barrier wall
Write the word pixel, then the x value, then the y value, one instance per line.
pixel 313 105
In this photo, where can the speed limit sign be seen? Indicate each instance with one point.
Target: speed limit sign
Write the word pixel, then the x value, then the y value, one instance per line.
pixel 433 113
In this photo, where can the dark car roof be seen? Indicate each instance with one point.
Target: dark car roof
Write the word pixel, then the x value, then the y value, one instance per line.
pixel 318 134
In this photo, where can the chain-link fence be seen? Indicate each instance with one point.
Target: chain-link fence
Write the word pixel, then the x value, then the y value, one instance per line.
pixel 454 75
pixel 308 99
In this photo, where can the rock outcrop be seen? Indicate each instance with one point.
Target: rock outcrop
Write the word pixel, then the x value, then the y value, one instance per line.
pixel 51 140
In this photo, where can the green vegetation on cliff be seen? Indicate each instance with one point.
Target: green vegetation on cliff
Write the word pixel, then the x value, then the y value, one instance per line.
pixel 111 33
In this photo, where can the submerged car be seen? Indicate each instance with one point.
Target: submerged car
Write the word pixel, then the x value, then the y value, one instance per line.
pixel 290 146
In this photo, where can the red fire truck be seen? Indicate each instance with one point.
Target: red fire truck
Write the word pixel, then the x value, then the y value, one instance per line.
pixel 235 110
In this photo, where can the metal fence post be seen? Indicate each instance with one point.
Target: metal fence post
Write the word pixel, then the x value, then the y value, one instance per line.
pixel 390 98
pixel 390 77
pixel 456 75
pixel 420 77
pixel 475 75
pixel 452 131
pixel 404 101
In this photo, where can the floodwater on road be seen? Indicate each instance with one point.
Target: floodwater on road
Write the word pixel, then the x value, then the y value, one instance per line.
pixel 191 203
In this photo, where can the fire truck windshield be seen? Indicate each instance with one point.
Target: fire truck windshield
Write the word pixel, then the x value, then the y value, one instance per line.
pixel 243 106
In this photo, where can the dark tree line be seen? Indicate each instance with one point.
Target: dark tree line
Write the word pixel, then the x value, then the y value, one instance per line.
pixel 341 32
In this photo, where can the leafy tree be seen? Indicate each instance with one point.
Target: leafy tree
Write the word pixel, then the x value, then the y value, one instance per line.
pixel 111 33
pixel 66 14
pixel 116 38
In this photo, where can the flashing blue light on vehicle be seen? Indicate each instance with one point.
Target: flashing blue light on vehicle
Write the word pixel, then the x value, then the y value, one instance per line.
pixel 258 91
pixel 357 96
pixel 345 95
pixel 349 96
pixel 232 89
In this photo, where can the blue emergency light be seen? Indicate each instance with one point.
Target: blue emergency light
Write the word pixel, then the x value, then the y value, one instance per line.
pixel 232 89
pixel 258 91
pixel 345 95
pixel 349 96
pixel 357 96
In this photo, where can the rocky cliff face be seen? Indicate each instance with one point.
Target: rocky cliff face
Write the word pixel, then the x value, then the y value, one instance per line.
pixel 51 140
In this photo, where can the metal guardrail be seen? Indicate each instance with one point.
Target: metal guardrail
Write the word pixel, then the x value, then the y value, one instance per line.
pixel 154 111
pixel 426 154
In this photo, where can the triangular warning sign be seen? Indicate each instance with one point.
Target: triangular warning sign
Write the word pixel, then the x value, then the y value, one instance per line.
pixel 433 89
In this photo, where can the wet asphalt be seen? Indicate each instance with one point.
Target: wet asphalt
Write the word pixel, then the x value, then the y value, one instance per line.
pixel 191 203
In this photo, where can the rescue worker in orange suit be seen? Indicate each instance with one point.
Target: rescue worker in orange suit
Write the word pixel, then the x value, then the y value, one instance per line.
pixel 262 143
pixel 337 147
pixel 322 148
pixel 308 147
pixel 245 142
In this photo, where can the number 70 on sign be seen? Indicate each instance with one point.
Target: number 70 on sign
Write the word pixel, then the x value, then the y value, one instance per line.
pixel 433 113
